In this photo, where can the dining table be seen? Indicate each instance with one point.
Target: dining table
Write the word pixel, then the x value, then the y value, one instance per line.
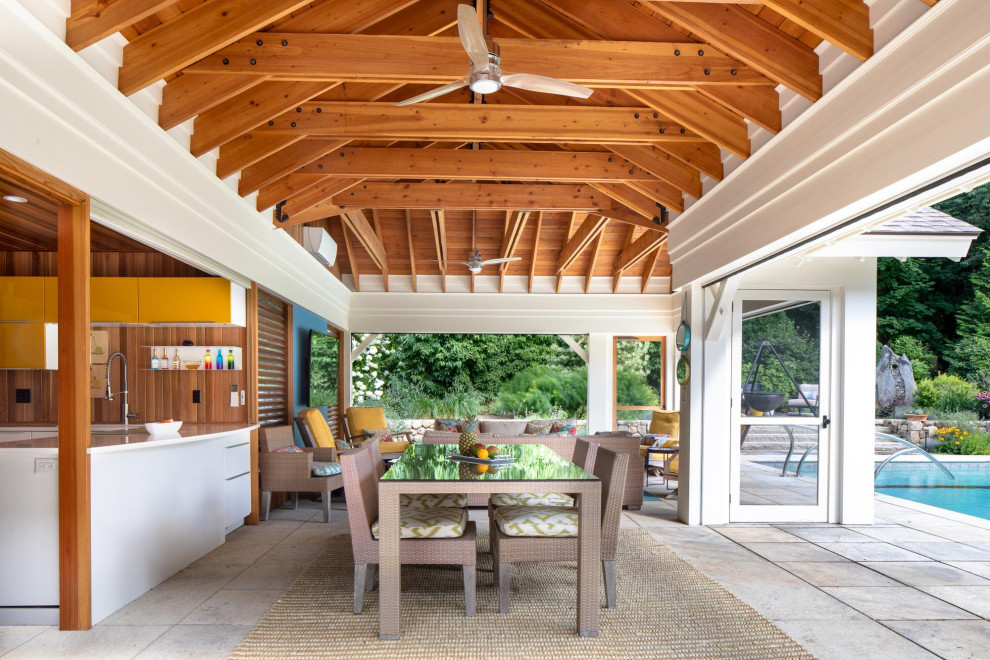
pixel 533 468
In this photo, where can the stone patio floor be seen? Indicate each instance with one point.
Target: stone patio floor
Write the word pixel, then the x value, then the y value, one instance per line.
pixel 914 585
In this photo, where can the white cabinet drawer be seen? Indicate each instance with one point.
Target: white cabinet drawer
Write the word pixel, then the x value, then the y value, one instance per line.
pixel 238 496
pixel 236 460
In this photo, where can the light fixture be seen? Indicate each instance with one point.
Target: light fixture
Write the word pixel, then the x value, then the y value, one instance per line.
pixel 15 198
pixel 485 84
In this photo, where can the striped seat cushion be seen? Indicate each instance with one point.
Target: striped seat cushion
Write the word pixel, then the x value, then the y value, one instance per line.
pixel 325 468
pixel 531 499
pixel 437 523
pixel 432 500
pixel 537 520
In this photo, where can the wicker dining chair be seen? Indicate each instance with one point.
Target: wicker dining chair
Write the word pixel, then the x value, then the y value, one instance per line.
pixel 361 475
pixel 610 467
pixel 292 472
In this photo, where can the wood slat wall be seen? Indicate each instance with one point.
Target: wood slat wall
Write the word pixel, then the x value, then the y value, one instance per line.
pixel 25 263
pixel 274 360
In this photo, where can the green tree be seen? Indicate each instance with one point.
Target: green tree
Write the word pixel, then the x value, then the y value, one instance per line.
pixel 797 347
pixel 973 318
pixel 922 358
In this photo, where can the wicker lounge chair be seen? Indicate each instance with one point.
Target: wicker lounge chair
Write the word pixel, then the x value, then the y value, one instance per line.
pixel 293 472
pixel 361 488
pixel 611 468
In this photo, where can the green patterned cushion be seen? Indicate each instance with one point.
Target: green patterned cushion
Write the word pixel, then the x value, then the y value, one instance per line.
pixel 532 499
pixel 537 520
pixel 438 523
pixel 325 469
pixel 432 500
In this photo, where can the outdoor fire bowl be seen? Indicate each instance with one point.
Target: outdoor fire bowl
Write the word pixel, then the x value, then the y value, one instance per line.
pixel 763 401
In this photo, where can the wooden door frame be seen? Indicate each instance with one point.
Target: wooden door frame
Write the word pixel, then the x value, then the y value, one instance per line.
pixel 615 374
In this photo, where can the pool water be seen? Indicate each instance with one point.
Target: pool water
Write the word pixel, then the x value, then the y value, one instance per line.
pixel 968 493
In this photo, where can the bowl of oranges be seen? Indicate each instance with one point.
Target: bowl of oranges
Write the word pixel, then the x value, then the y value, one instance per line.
pixel 163 427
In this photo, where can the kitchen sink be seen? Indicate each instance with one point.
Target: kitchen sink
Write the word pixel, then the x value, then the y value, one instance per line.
pixel 118 430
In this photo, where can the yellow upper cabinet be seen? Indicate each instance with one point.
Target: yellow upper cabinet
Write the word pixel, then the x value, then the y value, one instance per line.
pixel 111 300
pixel 184 300
pixel 22 299
pixel 22 346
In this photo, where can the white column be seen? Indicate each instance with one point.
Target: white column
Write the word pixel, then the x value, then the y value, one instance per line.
pixel 854 393
pixel 600 394
pixel 715 378
pixel 347 394
pixel 692 404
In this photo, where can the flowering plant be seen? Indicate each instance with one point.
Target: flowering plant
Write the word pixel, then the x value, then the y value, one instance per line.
pixel 950 439
pixel 983 404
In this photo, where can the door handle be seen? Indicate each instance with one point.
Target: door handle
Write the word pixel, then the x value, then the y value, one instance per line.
pixel 825 421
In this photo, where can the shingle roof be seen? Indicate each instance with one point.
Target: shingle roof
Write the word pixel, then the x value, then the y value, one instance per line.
pixel 926 221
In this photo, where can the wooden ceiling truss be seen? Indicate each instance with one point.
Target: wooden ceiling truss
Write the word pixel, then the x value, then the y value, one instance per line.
pixel 297 98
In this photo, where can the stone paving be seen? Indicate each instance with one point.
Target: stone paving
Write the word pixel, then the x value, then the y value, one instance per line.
pixel 914 585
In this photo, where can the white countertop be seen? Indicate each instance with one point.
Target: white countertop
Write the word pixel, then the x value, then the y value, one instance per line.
pixel 110 442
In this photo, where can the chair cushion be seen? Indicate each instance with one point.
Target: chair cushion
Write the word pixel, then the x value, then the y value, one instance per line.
pixel 436 523
pixel 537 520
pixel 366 418
pixel 393 447
pixel 325 469
pixel 318 427
pixel 531 499
pixel 666 423
pixel 449 425
pixel 433 500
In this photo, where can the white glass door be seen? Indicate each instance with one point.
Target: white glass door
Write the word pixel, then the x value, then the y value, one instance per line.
pixel 780 423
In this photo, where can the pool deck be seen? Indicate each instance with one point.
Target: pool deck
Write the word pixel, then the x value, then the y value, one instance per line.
pixel 914 585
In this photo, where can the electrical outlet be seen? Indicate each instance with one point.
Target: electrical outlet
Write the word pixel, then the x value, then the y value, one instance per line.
pixel 243 397
pixel 197 398
pixel 22 395
pixel 49 465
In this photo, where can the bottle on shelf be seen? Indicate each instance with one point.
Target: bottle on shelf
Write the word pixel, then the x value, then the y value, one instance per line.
pixel 176 362
pixel 163 362
pixel 219 360
pixel 230 358
pixel 154 358
pixel 208 359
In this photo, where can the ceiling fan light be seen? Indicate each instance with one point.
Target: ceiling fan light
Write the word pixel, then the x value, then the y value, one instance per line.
pixel 17 199
pixel 474 269
pixel 485 85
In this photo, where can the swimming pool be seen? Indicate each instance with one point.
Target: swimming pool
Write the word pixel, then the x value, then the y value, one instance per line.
pixel 923 482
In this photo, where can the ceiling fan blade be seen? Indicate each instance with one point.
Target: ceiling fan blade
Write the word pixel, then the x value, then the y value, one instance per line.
pixel 433 93
pixel 472 38
pixel 536 83
pixel 503 260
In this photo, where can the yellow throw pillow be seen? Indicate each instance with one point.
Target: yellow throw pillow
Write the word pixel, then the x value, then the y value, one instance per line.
pixel 666 423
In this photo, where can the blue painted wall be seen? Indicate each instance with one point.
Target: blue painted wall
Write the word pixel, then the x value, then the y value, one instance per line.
pixel 303 321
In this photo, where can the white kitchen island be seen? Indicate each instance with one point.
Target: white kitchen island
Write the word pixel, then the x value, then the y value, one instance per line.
pixel 158 504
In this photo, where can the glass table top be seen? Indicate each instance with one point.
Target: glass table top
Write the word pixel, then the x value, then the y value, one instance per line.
pixel 423 462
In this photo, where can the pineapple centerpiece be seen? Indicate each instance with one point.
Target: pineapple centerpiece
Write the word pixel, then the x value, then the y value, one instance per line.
pixel 469 437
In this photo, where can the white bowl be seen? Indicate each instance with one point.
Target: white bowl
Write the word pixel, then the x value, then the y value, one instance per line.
pixel 162 428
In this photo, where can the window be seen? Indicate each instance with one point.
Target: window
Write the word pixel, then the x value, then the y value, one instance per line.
pixel 638 378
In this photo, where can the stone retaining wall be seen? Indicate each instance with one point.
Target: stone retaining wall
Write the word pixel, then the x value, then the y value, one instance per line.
pixel 919 432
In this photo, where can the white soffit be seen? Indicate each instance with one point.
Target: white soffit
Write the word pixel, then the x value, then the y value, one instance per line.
pixel 62 116
pixel 915 111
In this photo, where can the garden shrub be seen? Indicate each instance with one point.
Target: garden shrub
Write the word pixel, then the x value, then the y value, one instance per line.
pixel 922 358
pixel 539 390
pixel 945 394
pixel 963 440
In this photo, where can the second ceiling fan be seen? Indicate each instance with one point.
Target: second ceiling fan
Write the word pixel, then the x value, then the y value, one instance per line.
pixel 485 75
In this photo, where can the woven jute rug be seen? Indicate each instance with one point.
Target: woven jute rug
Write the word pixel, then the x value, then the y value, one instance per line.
pixel 667 609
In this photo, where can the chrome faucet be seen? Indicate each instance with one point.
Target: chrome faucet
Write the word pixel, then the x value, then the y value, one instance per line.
pixel 126 415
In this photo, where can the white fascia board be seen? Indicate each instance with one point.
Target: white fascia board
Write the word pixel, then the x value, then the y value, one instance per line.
pixel 912 113
pixel 60 115
pixel 900 246
pixel 513 313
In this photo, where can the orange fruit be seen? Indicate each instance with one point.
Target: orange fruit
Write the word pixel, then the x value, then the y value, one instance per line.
pixel 482 453
pixel 480 468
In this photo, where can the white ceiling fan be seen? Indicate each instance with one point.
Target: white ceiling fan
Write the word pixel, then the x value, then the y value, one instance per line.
pixel 485 76
pixel 474 261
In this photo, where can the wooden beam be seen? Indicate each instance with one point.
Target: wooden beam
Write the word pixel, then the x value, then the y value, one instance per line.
pixel 760 105
pixel 284 162
pixel 845 23
pixel 251 368
pixel 186 96
pixel 440 242
pixel 638 249
pixel 94 20
pixel 378 232
pixel 623 214
pixel 563 197
pixel 587 233
pixel 651 264
pixel 609 19
pixel 474 165
pixel 440 60
pixel 647 207
pixel 319 193
pixel 749 39
pixel 193 35
pixel 315 212
pixel 662 165
pixel 702 156
pixel 709 119
pixel 594 260
pixel 536 250
pixel 617 274
pixel 24 174
pixel 440 122
pixel 285 188
pixel 362 229
pixel 74 537
pixel 412 251
pixel 249 149
pixel 355 273
pixel 567 236
pixel 515 223
pixel 239 114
